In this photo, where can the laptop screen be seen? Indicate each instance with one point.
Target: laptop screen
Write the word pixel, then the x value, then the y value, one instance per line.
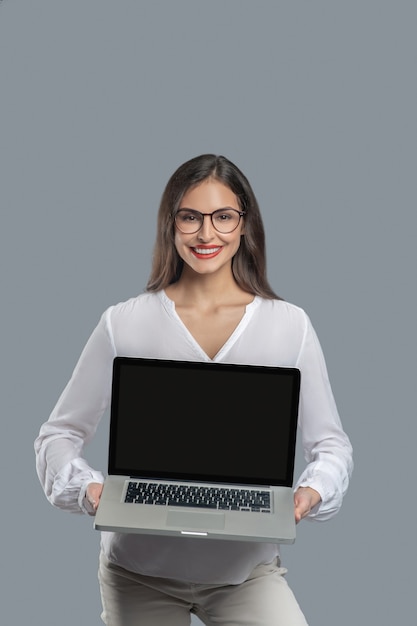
pixel 203 421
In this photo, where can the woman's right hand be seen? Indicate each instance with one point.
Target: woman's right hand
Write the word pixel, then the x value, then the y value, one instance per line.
pixel 93 494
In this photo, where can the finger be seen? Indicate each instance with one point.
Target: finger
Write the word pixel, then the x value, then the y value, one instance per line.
pixel 301 512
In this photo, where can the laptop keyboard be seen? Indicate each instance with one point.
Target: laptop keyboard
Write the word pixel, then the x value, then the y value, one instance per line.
pixel 222 498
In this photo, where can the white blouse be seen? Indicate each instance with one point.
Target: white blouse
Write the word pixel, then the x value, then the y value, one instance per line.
pixel 272 332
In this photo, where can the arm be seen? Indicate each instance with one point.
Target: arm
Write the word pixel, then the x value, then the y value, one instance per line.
pixel 326 447
pixel 63 472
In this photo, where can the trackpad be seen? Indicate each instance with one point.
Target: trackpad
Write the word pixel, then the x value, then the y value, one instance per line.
pixel 195 519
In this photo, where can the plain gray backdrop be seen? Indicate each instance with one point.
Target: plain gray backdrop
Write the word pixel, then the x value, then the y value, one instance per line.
pixel 316 102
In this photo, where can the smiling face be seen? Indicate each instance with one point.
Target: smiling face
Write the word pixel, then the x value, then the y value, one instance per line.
pixel 208 251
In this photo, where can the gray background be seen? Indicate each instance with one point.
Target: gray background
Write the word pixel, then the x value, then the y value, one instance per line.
pixel 316 102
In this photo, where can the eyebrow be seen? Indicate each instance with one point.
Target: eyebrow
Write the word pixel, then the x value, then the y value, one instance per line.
pixel 223 208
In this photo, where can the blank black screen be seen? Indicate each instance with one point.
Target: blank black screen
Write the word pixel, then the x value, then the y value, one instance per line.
pixel 203 421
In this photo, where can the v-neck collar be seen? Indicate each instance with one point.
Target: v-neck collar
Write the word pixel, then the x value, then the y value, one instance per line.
pixel 250 308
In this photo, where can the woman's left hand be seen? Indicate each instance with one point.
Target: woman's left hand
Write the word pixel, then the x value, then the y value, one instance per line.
pixel 305 498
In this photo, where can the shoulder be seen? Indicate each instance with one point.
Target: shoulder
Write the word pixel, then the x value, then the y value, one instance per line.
pixel 136 304
pixel 281 309
pixel 283 318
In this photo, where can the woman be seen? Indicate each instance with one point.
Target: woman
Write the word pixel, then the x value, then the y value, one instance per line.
pixel 207 298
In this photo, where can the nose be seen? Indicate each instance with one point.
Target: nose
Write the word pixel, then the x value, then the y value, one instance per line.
pixel 206 231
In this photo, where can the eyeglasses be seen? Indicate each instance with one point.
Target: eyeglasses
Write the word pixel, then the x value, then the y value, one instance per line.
pixel 224 221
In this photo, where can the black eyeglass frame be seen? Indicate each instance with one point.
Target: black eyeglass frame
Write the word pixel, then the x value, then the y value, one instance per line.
pixel 203 215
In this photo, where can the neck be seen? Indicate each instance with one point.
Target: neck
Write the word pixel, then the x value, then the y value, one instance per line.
pixel 193 287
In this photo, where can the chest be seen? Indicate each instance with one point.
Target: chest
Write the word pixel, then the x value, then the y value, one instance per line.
pixel 262 333
pixel 212 329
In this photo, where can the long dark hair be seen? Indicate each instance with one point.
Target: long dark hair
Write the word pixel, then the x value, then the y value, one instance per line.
pixel 249 262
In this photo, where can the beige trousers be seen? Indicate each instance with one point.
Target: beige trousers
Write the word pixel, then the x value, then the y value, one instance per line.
pixel 264 599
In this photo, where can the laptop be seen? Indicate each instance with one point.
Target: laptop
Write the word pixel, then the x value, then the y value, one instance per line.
pixel 201 449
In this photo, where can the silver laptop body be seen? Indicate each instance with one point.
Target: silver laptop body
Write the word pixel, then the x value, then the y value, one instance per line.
pixel 201 449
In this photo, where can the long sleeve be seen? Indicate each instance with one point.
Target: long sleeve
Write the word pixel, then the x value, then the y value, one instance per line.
pixel 63 472
pixel 326 447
